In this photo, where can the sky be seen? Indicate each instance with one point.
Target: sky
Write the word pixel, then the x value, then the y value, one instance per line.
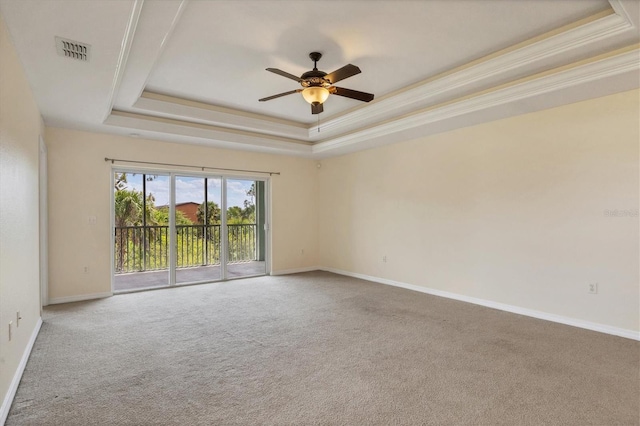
pixel 192 189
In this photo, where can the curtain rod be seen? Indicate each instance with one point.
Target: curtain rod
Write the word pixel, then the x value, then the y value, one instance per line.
pixel 113 160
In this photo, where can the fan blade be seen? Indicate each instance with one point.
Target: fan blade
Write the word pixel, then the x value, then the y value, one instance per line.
pixel 279 95
pixel 284 74
pixel 342 73
pixel 353 94
pixel 316 109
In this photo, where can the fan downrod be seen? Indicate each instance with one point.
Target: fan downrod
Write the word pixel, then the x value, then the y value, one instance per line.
pixel 315 57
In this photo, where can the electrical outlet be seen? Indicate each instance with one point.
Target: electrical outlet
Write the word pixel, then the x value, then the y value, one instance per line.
pixel 301 251
pixel 593 288
pixel 384 258
pixel 91 220
pixel 85 269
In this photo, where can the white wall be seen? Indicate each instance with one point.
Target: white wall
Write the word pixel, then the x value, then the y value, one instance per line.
pixel 511 211
pixel 80 186
pixel 20 129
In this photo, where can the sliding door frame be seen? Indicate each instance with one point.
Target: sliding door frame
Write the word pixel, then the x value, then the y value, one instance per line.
pixel 172 173
pixel 173 227
pixel 267 222
pixel 147 171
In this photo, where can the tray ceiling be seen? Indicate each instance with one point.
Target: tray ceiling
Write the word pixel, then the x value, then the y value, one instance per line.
pixel 192 71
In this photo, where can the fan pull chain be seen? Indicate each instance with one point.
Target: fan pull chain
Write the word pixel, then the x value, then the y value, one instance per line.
pixel 318 123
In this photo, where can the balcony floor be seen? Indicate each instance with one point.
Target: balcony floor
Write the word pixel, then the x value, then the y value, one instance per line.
pixel 156 279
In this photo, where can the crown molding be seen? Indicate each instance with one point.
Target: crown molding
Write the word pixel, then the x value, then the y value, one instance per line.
pixel 534 51
pixel 587 71
pixel 590 70
pixel 220 116
pixel 209 135
pixel 573 36
pixel 125 49
pixel 620 10
pixel 470 88
pixel 163 17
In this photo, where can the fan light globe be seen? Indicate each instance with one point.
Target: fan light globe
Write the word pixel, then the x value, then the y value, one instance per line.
pixel 315 94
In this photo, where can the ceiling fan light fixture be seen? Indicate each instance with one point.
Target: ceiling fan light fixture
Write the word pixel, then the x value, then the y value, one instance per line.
pixel 315 95
pixel 318 85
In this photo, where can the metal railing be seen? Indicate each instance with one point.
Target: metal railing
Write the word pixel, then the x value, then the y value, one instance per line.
pixel 146 248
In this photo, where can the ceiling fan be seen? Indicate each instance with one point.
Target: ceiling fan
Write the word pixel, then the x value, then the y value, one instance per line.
pixel 318 85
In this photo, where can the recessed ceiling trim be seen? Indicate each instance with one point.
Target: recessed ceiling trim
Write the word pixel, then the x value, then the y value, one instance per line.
pixel 163 43
pixel 220 116
pixel 131 48
pixel 589 30
pixel 124 53
pixel 607 65
pixel 619 9
pixel 213 136
pixel 156 24
pixel 579 34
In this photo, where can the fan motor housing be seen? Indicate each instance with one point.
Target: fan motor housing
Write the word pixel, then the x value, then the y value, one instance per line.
pixel 313 79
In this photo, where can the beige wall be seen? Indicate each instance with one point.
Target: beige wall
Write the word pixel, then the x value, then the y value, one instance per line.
pixel 79 187
pixel 511 211
pixel 20 129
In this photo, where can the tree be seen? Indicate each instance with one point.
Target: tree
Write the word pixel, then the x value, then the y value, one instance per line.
pixel 128 208
pixel 161 217
pixel 251 193
pixel 234 215
pixel 213 214
pixel 249 212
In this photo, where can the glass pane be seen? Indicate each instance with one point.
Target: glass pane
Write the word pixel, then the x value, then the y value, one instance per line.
pixel 245 228
pixel 141 249
pixel 197 229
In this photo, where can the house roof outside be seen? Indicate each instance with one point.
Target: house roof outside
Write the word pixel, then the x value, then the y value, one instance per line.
pixel 188 208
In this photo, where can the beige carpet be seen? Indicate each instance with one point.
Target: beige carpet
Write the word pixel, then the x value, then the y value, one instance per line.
pixel 318 349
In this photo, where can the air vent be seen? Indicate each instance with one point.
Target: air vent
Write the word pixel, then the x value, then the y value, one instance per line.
pixel 73 49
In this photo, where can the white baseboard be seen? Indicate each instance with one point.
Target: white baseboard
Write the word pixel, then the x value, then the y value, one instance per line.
pixel 13 387
pixel 296 270
pixel 602 328
pixel 79 298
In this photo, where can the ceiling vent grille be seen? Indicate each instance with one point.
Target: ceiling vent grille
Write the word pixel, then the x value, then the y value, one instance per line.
pixel 73 49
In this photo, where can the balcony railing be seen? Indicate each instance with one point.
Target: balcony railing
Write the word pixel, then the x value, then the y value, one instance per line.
pixel 146 248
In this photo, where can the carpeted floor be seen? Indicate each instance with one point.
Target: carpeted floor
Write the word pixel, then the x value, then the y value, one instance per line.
pixel 318 349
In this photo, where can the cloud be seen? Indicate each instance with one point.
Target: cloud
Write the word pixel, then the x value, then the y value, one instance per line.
pixel 237 192
pixel 189 189
pixel 192 189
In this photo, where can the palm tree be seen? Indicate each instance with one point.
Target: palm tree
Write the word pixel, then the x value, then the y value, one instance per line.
pixel 213 214
pixel 127 212
pixel 128 208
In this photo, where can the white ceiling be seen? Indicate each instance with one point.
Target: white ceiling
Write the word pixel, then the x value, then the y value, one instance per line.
pixel 220 57
pixel 193 71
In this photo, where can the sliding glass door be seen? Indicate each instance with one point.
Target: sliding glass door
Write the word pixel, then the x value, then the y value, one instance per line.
pixel 141 231
pixel 197 219
pixel 176 229
pixel 245 228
